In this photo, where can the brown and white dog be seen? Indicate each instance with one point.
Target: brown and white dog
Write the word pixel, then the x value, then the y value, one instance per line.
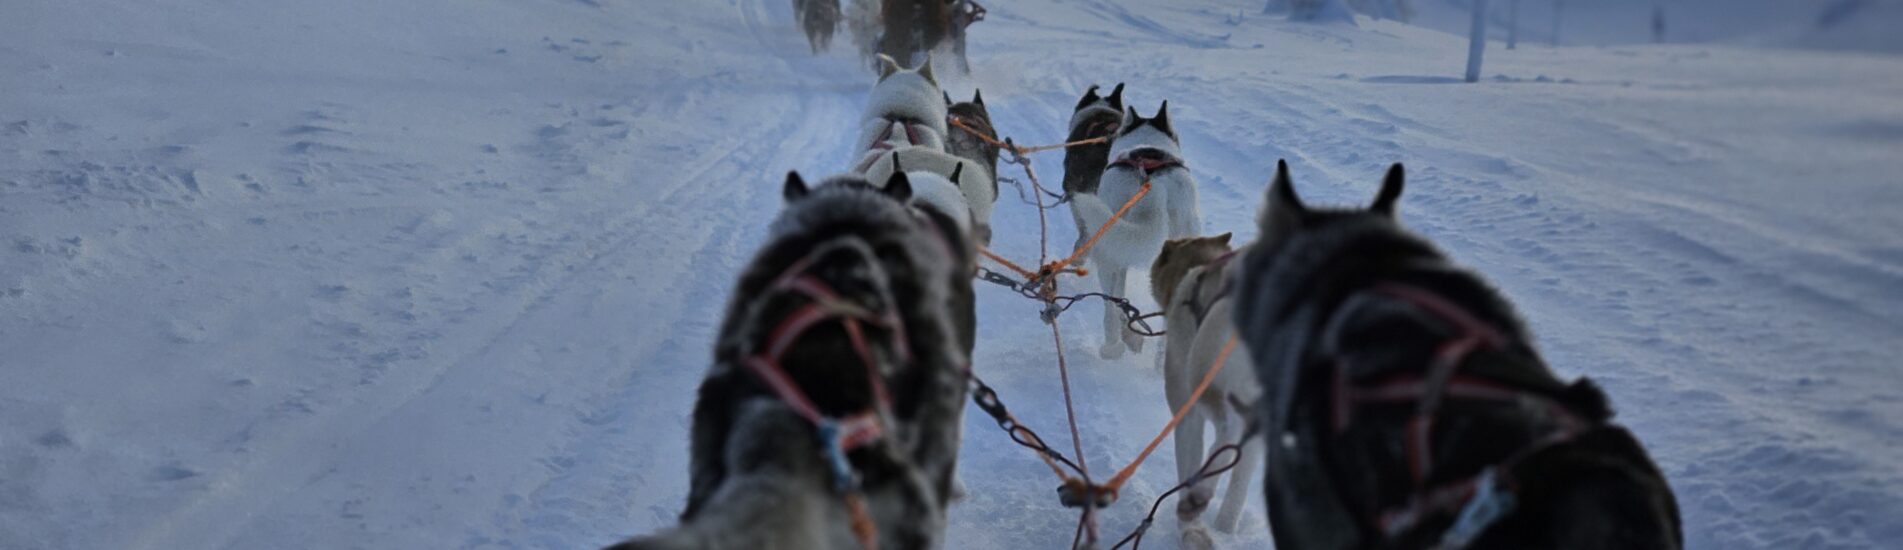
pixel 1192 279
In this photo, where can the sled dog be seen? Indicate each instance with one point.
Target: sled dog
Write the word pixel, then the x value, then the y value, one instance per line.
pixel 1406 406
pixel 1094 117
pixel 840 317
pixel 1145 150
pixel 1192 281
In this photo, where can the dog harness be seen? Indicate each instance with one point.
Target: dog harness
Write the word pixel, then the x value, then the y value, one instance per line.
pixel 1199 308
pixel 1478 501
pixel 1148 159
pixel 837 435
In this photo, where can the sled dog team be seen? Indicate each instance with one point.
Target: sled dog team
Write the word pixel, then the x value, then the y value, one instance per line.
pixel 1395 399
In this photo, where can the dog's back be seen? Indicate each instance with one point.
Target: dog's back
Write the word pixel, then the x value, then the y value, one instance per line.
pixel 758 477
pixel 1094 117
pixel 1357 325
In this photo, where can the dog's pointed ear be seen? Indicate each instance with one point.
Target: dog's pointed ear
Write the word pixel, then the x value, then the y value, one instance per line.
pixel 1223 239
pixel 795 186
pixel 1283 211
pixel 1090 96
pixel 1390 190
pixel 1131 120
pixel 978 97
pixel 957 171
pixel 925 70
pixel 1162 119
pixel 948 99
pixel 899 186
pixel 887 66
pixel 1116 97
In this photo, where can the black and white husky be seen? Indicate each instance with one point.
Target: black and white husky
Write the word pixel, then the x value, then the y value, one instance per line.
pixel 1406 406
pixel 1144 150
pixel 971 144
pixel 1094 117
pixel 847 301
pixel 1193 280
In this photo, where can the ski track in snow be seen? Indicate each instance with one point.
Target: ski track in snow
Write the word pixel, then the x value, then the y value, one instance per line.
pixel 385 289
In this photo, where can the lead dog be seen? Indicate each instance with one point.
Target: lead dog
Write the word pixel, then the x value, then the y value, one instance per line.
pixel 847 302
pixel 1406 406
pixel 1145 150
pixel 1192 280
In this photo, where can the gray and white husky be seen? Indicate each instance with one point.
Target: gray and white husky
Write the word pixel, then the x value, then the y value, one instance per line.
pixel 972 194
pixel 1145 150
pixel 1192 279
pixel 1407 407
pixel 760 476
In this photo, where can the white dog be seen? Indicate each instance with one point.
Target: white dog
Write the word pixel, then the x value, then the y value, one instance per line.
pixel 907 96
pixel 1144 150
pixel 1191 279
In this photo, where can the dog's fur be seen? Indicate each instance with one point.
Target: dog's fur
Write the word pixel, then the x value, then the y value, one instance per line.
pixel 757 476
pixel 819 18
pixel 1094 117
pixel 968 144
pixel 1169 211
pixel 1306 314
pixel 907 96
pixel 971 191
pixel 1190 279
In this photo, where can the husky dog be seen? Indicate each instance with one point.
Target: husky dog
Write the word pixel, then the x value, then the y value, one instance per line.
pixel 971 145
pixel 909 97
pixel 759 476
pixel 1192 279
pixel 1094 117
pixel 820 18
pixel 1407 407
pixel 1145 150
pixel 971 188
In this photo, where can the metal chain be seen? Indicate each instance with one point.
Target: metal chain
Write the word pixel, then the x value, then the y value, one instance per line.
pixel 1133 318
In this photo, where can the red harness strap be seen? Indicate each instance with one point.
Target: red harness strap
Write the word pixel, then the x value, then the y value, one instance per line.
pixel 1479 499
pixel 838 435
pixel 1148 165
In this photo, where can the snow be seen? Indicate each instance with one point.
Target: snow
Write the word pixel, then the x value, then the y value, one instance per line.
pixel 445 273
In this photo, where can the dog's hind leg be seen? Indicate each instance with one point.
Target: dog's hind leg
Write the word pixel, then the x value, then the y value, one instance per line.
pixel 1189 458
pixel 1112 279
pixel 1237 497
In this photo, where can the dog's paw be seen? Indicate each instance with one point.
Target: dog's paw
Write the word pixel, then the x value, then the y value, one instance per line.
pixel 1191 506
pixel 1196 537
pixel 1111 350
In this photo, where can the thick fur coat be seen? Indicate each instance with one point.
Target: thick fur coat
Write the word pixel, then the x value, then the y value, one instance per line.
pixel 1145 150
pixel 757 476
pixel 1310 311
pixel 909 96
pixel 1192 280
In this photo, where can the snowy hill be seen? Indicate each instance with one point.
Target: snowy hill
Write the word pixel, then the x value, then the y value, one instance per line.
pixel 444 273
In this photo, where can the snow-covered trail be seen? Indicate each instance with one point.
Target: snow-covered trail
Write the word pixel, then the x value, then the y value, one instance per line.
pixel 279 272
